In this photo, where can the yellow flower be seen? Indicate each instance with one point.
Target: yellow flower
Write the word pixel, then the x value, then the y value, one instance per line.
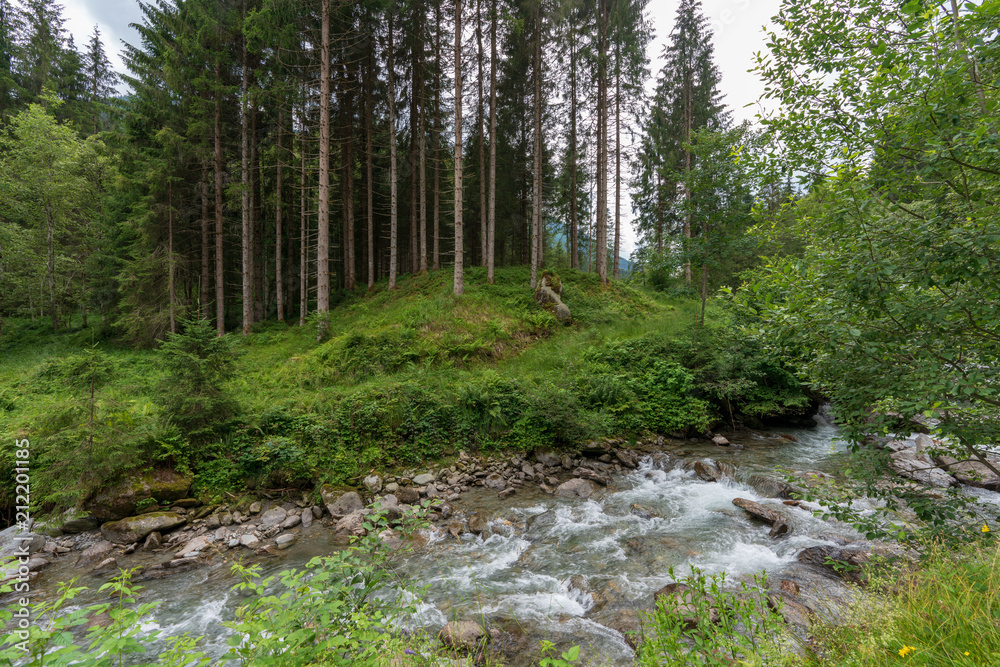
pixel 905 651
pixel 986 528
pixel 966 653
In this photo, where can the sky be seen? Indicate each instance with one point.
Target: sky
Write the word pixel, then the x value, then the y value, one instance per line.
pixel 737 26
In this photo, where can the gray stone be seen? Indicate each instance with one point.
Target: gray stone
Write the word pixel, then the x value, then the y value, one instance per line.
pixel 136 528
pixel 373 483
pixel 477 523
pixel 576 488
pixel 919 467
pixel 285 541
pixel 345 504
pixel 972 473
pixel 353 523
pixel 292 520
pixel 221 534
pixel 213 522
pixel 548 458
pixel 706 471
pixel 423 480
pixel 78 523
pixel 106 565
pixel 465 635
pixel 506 493
pixel 95 554
pixel 154 541
pixel 408 495
pixel 721 441
pixel 255 507
pixel 431 491
pixel 250 541
pixel 273 517
pixel 317 511
pixel 122 500
pixel 495 481
pixel 391 487
pixel 195 546
pixel 187 503
pixel 758 511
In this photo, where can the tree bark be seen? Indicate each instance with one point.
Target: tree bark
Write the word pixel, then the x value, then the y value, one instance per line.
pixel 618 159
pixel 483 223
pixel 459 287
pixel 437 138
pixel 303 223
pixel 574 222
pixel 350 270
pixel 323 217
pixel 245 239
pixel 205 293
pixel 369 208
pixel 601 231
pixel 422 145
pixel 220 305
pixel 393 195
pixel 171 292
pixel 492 213
pixel 536 216
pixel 278 209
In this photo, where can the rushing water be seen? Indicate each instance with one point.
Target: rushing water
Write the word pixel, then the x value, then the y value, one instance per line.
pixel 571 571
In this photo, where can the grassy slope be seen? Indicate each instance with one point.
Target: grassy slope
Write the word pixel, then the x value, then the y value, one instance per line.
pixel 411 362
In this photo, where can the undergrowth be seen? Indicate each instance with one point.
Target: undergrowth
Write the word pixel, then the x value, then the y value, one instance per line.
pixel 403 377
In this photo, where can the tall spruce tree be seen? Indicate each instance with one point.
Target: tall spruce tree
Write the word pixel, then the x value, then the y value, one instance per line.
pixel 686 100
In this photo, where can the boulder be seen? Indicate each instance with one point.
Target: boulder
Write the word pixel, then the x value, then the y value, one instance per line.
pixel 136 528
pixel 106 565
pixel 627 459
pixel 679 600
pixel 190 503
pixel 758 511
pixel 548 458
pixel 477 523
pixel 250 541
pixel 16 543
pixel 576 488
pixel 463 635
pixel 276 515
pixel 721 441
pixel 255 507
pixel 593 476
pixel 919 467
pixel 342 505
pixel 423 480
pixel 306 518
pixel 154 541
pixel 94 554
pixel 122 500
pixel 285 541
pixel 549 296
pixel 706 471
pixel 353 523
pixel 791 610
pixel 495 481
pixel 373 483
pixel 292 520
pixel 972 473
pixel 506 493
pixel 195 547
pixel 408 495
pixel 848 561
pixel 75 521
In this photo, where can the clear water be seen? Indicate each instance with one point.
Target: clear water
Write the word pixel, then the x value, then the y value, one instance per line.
pixel 560 569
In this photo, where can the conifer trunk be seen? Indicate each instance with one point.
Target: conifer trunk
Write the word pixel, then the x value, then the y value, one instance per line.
pixel 245 240
pixel 393 195
pixel 459 286
pixel 492 213
pixel 536 217
pixel 483 224
pixel 220 305
pixel 323 217
pixel 278 209
pixel 369 208
pixel 205 293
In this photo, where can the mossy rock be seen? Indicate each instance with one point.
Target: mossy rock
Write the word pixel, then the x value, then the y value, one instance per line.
pixel 136 528
pixel 124 499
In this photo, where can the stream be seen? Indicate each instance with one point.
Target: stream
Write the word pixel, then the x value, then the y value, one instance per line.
pixel 568 570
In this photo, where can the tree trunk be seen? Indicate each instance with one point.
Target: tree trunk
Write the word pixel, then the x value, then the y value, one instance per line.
pixel 618 160
pixel 258 258
pixel 278 208
pixel 601 231
pixel 393 195
pixel 246 241
pixel 459 287
pixel 50 269
pixel 483 223
pixel 220 305
pixel 303 224
pixel 369 209
pixel 688 103
pixel 536 215
pixel 574 222
pixel 492 213
pixel 323 218
pixel 350 270
pixel 171 292
pixel 206 297
pixel 437 138
pixel 422 145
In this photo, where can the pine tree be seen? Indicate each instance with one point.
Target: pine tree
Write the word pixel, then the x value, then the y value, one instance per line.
pixel 100 83
pixel 10 28
pixel 686 100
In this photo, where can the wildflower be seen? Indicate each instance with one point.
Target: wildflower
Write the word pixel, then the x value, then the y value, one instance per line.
pixel 412 652
pixel 905 651
pixel 966 653
pixel 986 528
